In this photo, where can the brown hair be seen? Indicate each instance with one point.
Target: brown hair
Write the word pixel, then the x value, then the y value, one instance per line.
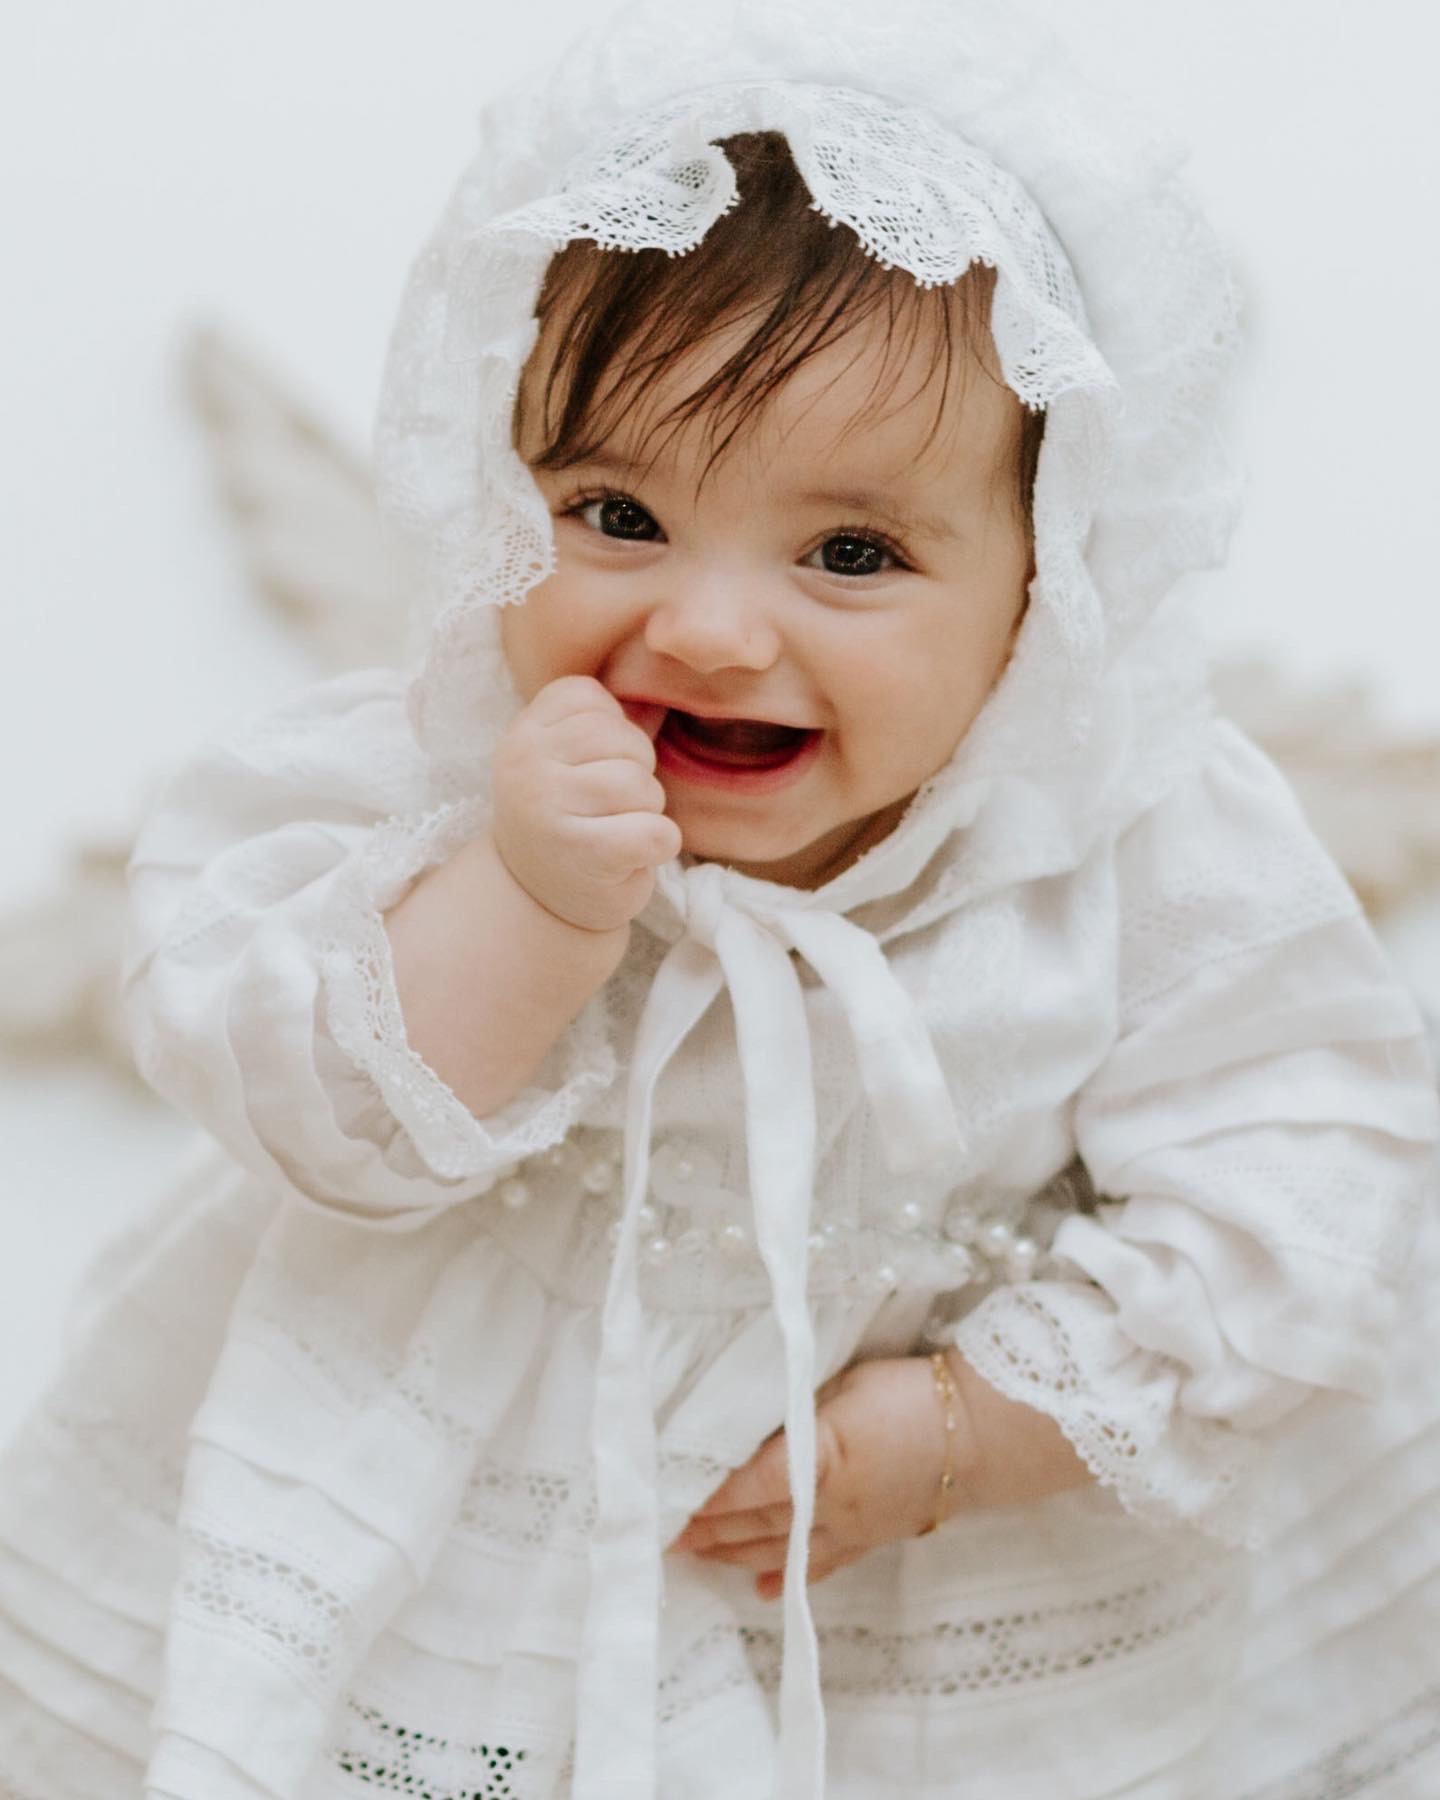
pixel 619 320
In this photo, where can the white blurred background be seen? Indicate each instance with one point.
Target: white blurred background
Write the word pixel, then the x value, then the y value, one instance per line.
pixel 271 165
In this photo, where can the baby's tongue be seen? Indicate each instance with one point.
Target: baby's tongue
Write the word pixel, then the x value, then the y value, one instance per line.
pixel 742 741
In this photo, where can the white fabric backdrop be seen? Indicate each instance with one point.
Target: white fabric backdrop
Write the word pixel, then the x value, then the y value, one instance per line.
pixel 272 164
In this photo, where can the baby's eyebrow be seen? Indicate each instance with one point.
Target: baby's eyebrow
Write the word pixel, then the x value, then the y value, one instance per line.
pixel 884 508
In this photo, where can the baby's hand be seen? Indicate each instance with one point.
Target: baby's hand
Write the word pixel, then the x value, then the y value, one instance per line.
pixel 880 1454
pixel 579 815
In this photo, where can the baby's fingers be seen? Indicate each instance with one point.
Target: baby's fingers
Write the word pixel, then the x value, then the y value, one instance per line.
pixel 770 1583
pixel 763 1555
pixel 709 1531
pixel 618 845
pixel 615 785
pixel 763 1481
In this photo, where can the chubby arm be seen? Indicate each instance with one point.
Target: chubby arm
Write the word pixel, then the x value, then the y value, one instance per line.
pixel 881 1453
pixel 1262 1136
pixel 261 984
pixel 497 950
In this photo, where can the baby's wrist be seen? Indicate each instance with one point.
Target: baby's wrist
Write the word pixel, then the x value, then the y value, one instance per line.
pixel 604 945
pixel 948 1406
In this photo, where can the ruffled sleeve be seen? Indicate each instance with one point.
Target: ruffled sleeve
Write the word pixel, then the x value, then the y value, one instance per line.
pixel 1263 1137
pixel 259 983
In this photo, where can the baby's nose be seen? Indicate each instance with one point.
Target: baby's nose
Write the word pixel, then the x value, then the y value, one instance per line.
pixel 714 625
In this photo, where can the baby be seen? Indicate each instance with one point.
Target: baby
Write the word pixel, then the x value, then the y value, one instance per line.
pixel 793 548
pixel 791 1056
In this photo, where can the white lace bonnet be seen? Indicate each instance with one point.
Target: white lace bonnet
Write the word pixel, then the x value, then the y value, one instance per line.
pixel 941 134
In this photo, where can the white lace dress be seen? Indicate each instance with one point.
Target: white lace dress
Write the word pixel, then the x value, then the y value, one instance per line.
pixel 359 1477
pixel 313 1509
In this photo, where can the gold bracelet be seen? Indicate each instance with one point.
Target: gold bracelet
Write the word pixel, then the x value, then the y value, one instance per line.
pixel 948 1394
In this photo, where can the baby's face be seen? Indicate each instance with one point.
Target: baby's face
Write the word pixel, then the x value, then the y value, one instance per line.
pixel 821 617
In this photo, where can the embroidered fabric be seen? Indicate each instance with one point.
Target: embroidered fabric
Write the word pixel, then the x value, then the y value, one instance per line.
pixel 270 1598
pixel 1374 1762
pixel 378 1755
pixel 419 1392
pixel 364 1019
pixel 1054 1347
pixel 974 1652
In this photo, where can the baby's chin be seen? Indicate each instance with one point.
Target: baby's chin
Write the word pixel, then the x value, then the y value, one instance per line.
pixel 806 863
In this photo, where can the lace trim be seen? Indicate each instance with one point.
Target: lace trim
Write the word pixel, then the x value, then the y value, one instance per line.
pixel 1030 1344
pixel 527 1508
pixel 1319 1207
pixel 349 1361
pixel 522 1507
pixel 970 1654
pixel 142 1471
pixel 1363 1762
pixel 1191 921
pixel 269 1601
pixel 380 1756
pixel 365 1019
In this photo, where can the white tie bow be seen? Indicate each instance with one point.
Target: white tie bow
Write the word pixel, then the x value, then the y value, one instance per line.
pixel 729 939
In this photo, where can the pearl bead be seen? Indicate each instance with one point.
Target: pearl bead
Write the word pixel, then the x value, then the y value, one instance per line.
pixel 819 1243
pixel 558 1156
pixel 514 1193
pixel 599 1177
pixel 996 1238
pixel 910 1216
pixel 647 1217
pixel 734 1240
pixel 961 1225
pixel 683 1168
pixel 961 1264
pixel 657 1251
pixel 1021 1258
pixel 884 1278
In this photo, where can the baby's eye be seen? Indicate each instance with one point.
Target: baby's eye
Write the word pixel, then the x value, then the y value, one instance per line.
pixel 618 516
pixel 854 553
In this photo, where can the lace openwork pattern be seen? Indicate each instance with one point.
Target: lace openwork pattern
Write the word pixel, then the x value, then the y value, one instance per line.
pixel 269 1600
pixel 1365 1764
pixel 528 1509
pixel 366 1021
pixel 1039 1344
pixel 380 1756
pixel 522 1507
pixel 969 1655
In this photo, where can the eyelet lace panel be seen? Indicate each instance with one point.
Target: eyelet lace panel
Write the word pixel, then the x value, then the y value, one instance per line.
pixel 273 1600
pixel 972 1654
pixel 527 1508
pixel 378 1755
pixel 1367 1763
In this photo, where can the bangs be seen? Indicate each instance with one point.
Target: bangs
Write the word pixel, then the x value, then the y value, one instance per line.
pixel 614 324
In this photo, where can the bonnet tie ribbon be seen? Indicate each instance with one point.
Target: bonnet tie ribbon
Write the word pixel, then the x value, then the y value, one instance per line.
pixel 729 941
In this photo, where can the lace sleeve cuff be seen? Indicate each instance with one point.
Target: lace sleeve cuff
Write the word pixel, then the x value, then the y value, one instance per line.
pixel 362 1016
pixel 1056 1346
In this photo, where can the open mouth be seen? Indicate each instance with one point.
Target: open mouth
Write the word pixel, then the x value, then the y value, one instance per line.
pixel 732 751
pixel 734 743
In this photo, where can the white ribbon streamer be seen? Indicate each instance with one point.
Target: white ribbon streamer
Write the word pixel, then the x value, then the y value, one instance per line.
pixel 745 948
